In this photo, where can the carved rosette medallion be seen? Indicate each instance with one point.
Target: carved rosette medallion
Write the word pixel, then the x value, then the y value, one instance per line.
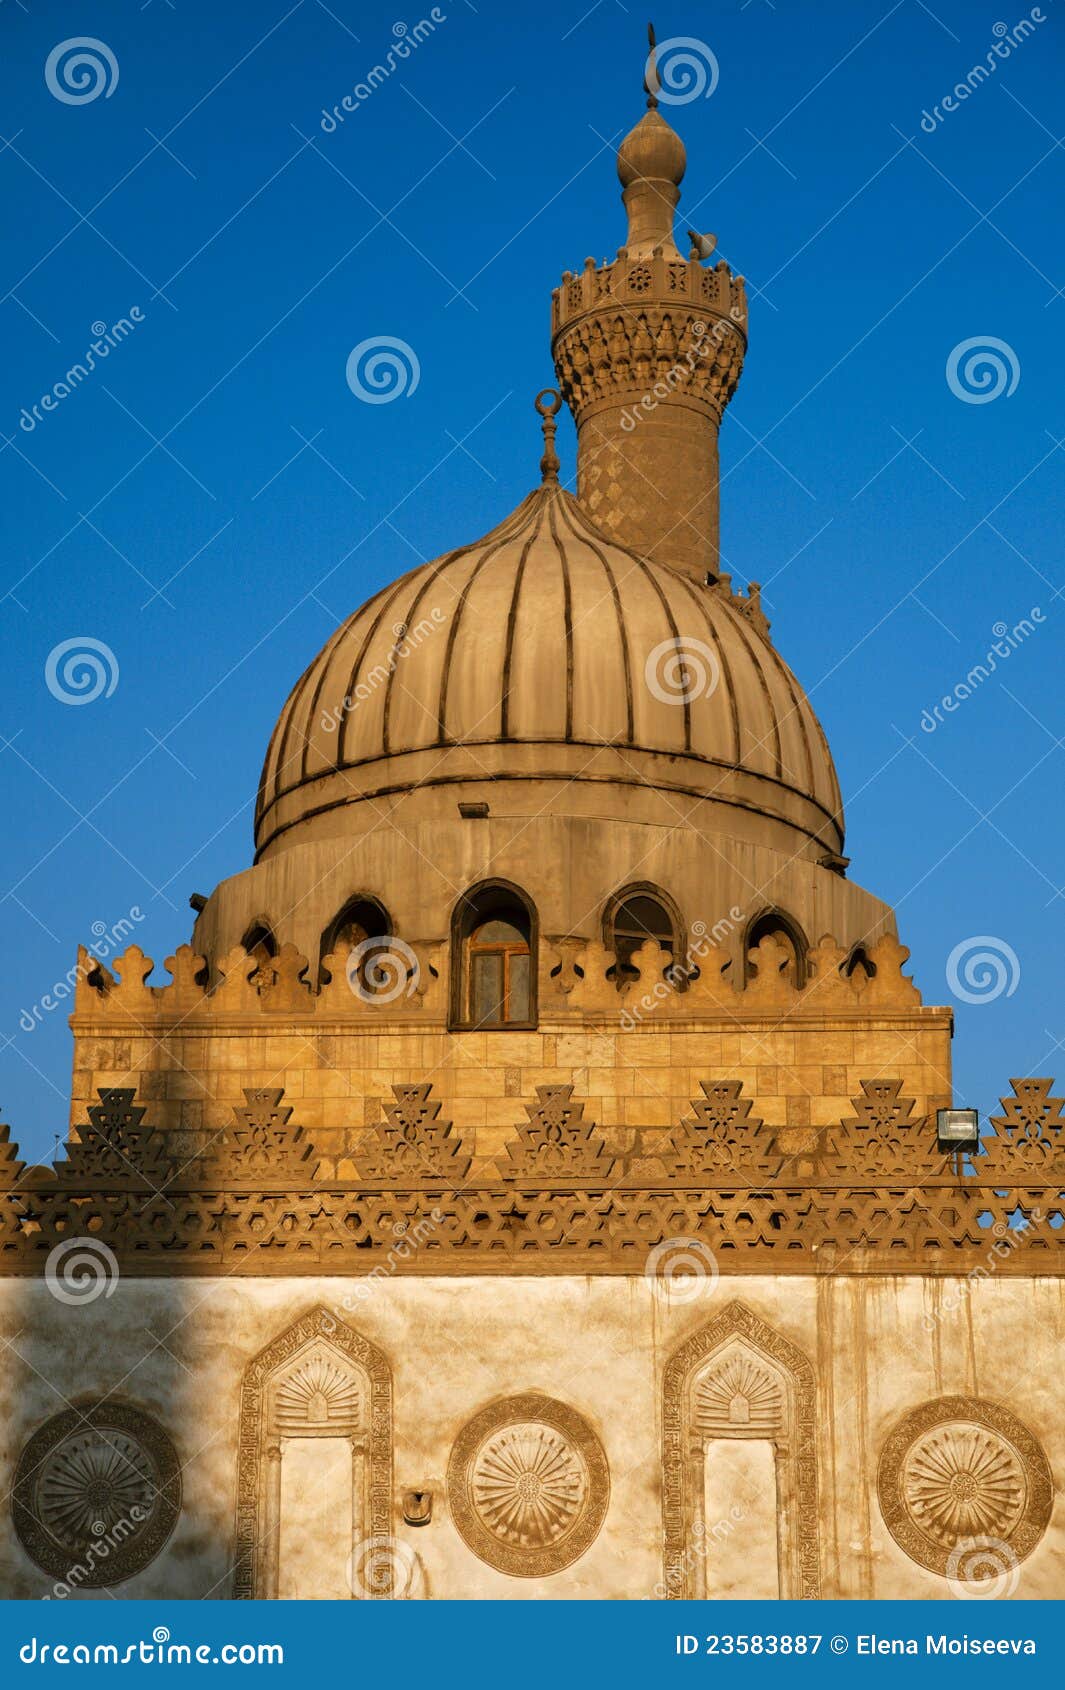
pixel 97 1492
pixel 962 1468
pixel 528 1485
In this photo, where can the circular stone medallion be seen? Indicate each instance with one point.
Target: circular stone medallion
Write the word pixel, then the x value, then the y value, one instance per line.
pixel 528 1485
pixel 960 1469
pixel 97 1492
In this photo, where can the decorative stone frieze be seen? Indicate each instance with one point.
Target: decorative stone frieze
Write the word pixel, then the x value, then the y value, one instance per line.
pixel 873 1193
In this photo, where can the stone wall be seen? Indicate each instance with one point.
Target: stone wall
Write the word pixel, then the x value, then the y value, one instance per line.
pixel 854 1359
pixel 635 1060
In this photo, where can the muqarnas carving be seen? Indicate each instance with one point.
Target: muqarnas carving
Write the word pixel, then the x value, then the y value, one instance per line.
pixel 97 1493
pixel 528 1485
pixel 962 1468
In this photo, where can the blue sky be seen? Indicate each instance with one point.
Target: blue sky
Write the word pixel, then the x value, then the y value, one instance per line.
pixel 213 499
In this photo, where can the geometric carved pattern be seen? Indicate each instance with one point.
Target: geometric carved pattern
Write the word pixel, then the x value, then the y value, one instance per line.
pixel 723 1138
pixel 115 1145
pixel 738 1397
pixel 880 1109
pixel 962 1479
pixel 873 1193
pixel 604 1226
pixel 318 1331
pixel 96 1494
pixel 763 1351
pixel 10 1166
pixel 528 1485
pixel 262 1145
pixel 411 1144
pixel 881 1142
pixel 557 1143
pixel 959 1468
pixel 1029 1138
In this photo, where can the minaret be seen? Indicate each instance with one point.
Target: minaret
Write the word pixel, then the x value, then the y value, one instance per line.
pixel 648 350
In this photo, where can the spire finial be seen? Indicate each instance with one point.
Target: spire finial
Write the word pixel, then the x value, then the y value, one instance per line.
pixel 651 168
pixel 650 74
pixel 549 402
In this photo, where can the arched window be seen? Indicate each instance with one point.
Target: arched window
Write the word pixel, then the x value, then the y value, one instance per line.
pixel 494 945
pixel 636 915
pixel 775 925
pixel 355 927
pixel 259 941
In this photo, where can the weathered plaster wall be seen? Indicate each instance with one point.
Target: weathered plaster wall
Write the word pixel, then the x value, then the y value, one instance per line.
pixel 879 1347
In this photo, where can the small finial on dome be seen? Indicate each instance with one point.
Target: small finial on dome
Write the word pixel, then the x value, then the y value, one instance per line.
pixel 650 74
pixel 549 402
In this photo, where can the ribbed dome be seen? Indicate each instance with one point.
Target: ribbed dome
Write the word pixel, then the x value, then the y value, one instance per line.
pixel 547 652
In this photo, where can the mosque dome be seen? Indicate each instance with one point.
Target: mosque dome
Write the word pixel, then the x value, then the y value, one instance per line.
pixel 576 708
pixel 547 652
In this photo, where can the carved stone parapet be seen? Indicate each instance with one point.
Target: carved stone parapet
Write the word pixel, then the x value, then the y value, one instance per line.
pixel 875 1196
pixel 629 282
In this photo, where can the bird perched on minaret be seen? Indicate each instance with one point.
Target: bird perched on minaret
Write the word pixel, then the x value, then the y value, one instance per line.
pixel 702 245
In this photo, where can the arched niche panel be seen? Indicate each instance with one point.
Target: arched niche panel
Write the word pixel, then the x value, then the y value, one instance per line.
pixel 739 1408
pixel 315 1438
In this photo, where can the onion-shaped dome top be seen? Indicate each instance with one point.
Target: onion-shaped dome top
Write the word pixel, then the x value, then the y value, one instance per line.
pixel 546 652
pixel 652 151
